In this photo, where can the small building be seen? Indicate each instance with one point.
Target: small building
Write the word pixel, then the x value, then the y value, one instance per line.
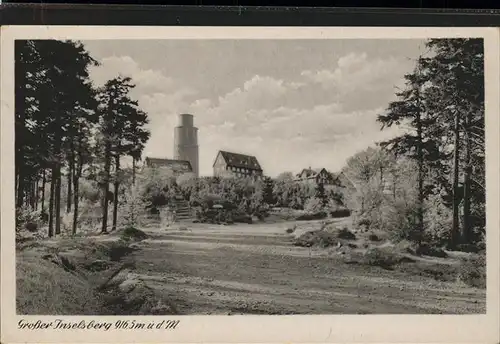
pixel 239 165
pixel 178 167
pixel 316 175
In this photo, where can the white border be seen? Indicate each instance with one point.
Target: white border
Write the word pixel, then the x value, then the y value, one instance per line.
pixel 253 329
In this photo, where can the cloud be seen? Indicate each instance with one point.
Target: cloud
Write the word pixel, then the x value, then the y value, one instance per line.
pixel 148 79
pixel 314 118
pixel 360 82
pixel 283 137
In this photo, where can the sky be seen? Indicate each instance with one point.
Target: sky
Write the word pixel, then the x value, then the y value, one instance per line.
pixel 293 104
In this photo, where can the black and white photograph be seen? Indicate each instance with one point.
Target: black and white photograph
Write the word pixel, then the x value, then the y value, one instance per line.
pixel 235 177
pixel 268 177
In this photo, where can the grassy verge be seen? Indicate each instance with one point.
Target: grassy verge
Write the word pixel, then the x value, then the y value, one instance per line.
pixel 367 249
pixel 79 276
pixel 44 288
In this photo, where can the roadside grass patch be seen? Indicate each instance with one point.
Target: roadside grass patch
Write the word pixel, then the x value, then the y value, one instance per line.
pixel 139 301
pixel 425 249
pixel 327 236
pixel 472 271
pixel 384 257
pixel 436 271
pixel 319 238
pixel 116 250
pixel 44 288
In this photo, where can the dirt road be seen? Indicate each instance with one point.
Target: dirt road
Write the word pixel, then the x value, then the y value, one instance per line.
pixel 255 269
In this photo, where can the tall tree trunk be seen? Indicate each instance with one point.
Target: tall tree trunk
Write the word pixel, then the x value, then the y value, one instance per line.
pixel 69 194
pixel 44 180
pixel 37 192
pixel 76 197
pixel 27 194
pixel 32 194
pixel 75 204
pixel 115 196
pixel 107 168
pixel 57 202
pixel 465 234
pixel 51 202
pixel 16 182
pixel 394 186
pixel 456 153
pixel 420 159
pixel 133 170
pixel 20 188
pixel 20 77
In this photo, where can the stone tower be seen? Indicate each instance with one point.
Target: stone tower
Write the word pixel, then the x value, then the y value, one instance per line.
pixel 186 141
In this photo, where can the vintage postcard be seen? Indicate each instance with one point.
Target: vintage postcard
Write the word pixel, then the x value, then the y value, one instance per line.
pixel 204 184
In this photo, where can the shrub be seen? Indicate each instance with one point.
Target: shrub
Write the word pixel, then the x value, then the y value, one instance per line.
pixel 470 248
pixel 132 207
pixel 472 271
pixel 437 221
pixel 364 223
pixel 426 249
pixel 89 215
pixel 373 237
pixel 318 238
pixel 88 191
pixel 401 220
pixel 116 250
pixel 27 218
pixel 215 216
pixel 346 234
pixel 313 205
pixel 240 217
pixel 132 233
pixel 315 216
pixel 385 257
pixel 338 213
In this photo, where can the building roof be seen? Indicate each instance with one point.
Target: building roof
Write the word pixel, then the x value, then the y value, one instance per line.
pixel 178 165
pixel 311 172
pixel 240 160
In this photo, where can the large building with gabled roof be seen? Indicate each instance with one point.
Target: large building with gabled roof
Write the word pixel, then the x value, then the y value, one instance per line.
pixel 239 165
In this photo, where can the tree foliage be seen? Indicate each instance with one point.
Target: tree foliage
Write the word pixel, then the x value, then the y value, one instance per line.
pixel 442 110
pixel 61 121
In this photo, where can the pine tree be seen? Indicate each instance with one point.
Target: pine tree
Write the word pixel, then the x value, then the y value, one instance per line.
pixel 410 111
pixel 321 194
pixel 124 134
pixel 268 196
pixel 443 105
pixel 457 71
pixel 51 82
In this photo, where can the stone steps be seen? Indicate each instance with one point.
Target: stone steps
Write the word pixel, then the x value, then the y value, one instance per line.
pixel 182 209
